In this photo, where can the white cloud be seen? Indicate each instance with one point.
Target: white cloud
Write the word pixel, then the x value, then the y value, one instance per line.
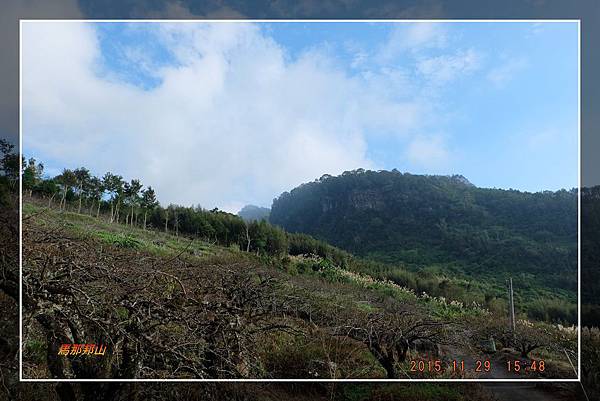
pixel 412 37
pixel 425 34
pixel 444 68
pixel 233 123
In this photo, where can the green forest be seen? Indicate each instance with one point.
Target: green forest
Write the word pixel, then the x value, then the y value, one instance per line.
pixel 590 256
pixel 445 226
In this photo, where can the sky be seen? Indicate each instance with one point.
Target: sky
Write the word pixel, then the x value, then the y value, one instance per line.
pixel 227 114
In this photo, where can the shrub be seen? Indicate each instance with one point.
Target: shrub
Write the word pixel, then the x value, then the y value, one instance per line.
pixel 553 310
pixel 120 240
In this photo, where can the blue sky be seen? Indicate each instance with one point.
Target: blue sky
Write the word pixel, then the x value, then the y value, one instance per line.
pixel 247 111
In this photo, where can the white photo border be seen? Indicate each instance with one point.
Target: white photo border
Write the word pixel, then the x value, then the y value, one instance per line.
pixel 441 380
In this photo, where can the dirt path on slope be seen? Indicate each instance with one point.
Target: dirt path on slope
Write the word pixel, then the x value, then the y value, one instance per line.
pixel 512 391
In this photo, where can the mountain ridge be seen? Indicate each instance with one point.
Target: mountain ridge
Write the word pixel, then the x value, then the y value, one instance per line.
pixel 432 220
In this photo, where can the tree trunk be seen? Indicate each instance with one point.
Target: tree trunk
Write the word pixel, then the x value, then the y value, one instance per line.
pixel 247 238
pixel 166 220
pixel 63 200
pixel 51 199
pixel 98 210
pixel 386 359
pixel 117 210
pixel 401 350
pixel 145 215
pixel 112 206
pixel 80 196
pixel 526 350
pixel 388 365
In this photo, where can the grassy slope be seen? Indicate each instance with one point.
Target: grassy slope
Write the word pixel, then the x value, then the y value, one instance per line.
pixel 167 245
pixel 212 260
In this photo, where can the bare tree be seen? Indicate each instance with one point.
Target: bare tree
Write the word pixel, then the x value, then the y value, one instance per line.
pixel 166 220
pixel 248 240
pixel 388 335
pixel 156 327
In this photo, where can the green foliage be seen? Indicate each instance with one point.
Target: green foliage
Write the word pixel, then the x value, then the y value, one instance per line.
pixel 435 235
pixel 590 255
pixel 552 310
pixel 424 391
pixel 321 295
pixel 332 275
pixel 122 312
pixel 316 354
pixel 120 240
pixel 293 357
pixel 37 350
pixel 9 161
pixel 443 223
pixel 265 238
pixel 32 174
pixel 46 188
pixel 398 217
pixel 149 200
pixel 4 191
pixel 356 392
pixel 9 168
pixel 302 244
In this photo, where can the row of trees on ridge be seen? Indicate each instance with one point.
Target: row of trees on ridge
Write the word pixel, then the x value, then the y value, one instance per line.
pixel 130 203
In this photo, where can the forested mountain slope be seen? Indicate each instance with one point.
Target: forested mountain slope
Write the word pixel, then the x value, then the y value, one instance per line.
pixel 440 222
pixel 590 255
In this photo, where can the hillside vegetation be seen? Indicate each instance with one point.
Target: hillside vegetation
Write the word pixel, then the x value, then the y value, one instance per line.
pixel 69 391
pixel 447 226
pixel 433 234
pixel 169 306
pixel 590 256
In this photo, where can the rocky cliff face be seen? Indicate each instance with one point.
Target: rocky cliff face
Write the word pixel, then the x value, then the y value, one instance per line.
pixel 355 199
pixel 366 200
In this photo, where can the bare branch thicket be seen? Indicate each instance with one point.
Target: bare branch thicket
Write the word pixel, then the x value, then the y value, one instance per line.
pixel 158 320
pixel 388 335
pixel 9 296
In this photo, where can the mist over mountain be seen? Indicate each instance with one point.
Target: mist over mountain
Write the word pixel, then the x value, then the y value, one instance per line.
pixel 254 213
pixel 440 222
